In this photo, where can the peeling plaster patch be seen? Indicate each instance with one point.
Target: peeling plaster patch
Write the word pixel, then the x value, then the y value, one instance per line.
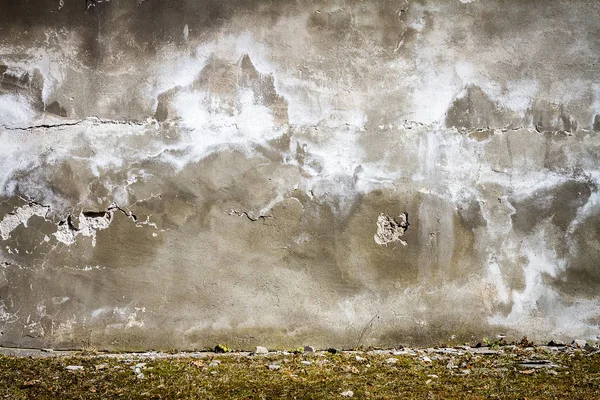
pixel 65 234
pixel 389 230
pixel 11 221
pixel 89 223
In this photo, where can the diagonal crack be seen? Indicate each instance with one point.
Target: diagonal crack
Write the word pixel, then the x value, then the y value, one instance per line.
pixel 128 214
pixel 249 216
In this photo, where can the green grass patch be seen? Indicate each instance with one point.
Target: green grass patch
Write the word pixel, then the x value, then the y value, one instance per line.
pixel 574 375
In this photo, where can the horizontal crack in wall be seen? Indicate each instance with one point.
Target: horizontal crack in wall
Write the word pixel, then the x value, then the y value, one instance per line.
pixel 90 120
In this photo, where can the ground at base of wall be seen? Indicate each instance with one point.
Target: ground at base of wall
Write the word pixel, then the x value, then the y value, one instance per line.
pixel 489 372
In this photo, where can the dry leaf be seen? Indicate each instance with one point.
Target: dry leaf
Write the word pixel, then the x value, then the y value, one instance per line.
pixel 528 371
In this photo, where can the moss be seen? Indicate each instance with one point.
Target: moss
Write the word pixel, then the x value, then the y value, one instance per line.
pixel 326 376
pixel 222 349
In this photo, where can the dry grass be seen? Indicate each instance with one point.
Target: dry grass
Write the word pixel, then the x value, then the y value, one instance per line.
pixel 477 376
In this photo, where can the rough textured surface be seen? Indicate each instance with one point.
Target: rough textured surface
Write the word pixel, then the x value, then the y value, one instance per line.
pixel 514 372
pixel 176 174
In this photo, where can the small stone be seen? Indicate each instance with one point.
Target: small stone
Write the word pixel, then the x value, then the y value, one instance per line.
pixel 101 366
pixel 485 351
pixel 213 372
pixel 589 348
pixel 309 349
pixel 433 376
pixel 450 364
pixel 551 372
pixel 348 393
pixel 579 343
pixel 428 381
pixel 214 363
pixel 391 360
pixel 140 365
pixel 261 350
pixel 274 367
pixel 378 352
pixel 537 363
pixel 556 343
pixel 140 375
pixel 359 358
pixel 406 352
pixel 332 350
pixel 426 359
pixel 305 362
pixel 75 368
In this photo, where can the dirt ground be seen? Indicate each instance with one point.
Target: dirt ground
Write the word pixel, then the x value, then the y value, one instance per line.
pixel 490 371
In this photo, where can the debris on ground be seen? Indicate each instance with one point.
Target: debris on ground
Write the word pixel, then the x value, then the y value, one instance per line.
pixel 261 350
pixel 508 371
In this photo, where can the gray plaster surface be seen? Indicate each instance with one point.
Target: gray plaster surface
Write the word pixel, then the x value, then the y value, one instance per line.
pixel 177 174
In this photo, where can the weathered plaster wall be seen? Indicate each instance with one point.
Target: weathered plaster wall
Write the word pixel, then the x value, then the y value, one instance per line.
pixel 189 172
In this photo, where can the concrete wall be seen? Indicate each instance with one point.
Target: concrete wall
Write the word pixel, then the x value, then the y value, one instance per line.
pixel 182 173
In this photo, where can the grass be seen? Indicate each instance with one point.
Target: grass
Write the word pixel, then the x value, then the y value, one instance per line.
pixel 477 376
